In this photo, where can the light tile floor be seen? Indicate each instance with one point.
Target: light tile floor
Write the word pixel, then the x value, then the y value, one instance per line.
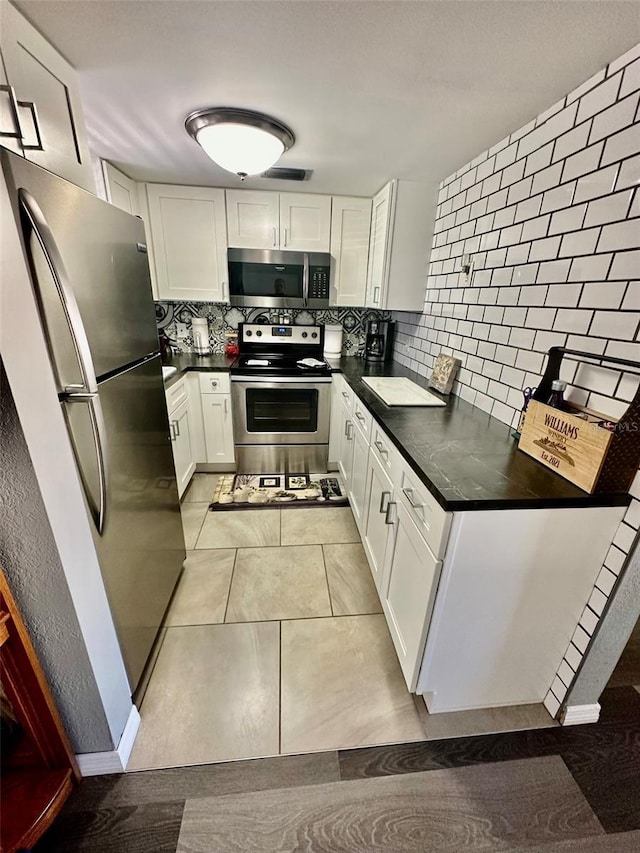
pixel 275 642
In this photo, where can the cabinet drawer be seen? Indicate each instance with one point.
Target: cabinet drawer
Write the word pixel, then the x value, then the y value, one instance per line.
pixel 385 452
pixel 344 391
pixel 215 383
pixel 432 521
pixel 362 417
pixel 177 394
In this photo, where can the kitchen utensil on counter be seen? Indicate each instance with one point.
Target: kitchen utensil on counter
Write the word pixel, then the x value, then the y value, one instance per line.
pixel 379 341
pixel 200 334
pixel 333 340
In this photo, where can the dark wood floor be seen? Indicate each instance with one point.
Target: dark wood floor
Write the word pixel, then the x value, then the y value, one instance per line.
pixel 627 671
pixel 559 790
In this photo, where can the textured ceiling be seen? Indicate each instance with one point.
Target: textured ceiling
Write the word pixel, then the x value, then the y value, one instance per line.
pixel 373 90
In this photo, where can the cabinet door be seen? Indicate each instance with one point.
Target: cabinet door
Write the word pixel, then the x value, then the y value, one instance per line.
pixel 180 426
pixel 408 593
pixel 376 275
pixel 253 219
pixel 218 428
pixel 335 435
pixel 51 119
pixel 121 190
pixel 378 534
pixel 189 233
pixel 305 222
pixel 345 461
pixel 350 229
pixel 358 485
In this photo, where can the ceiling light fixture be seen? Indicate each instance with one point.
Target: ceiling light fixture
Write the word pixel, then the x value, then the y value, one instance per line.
pixel 241 141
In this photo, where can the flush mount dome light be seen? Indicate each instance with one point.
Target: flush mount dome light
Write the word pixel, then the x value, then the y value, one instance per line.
pixel 241 141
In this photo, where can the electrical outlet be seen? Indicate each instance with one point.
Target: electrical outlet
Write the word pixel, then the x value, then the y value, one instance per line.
pixel 181 330
pixel 467 268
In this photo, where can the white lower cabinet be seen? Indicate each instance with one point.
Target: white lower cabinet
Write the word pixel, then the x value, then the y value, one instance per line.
pixel 218 428
pixel 358 481
pixel 345 458
pixel 409 590
pixel 378 535
pixel 180 433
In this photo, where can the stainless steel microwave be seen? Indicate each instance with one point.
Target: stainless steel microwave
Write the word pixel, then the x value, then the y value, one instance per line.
pixel 265 278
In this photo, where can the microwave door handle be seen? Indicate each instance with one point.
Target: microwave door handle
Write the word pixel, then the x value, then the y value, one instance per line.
pixel 86 393
pixel 305 280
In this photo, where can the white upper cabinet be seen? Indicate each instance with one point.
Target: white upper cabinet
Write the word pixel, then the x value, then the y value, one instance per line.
pixel 253 219
pixel 121 190
pixel 305 222
pixel 268 220
pixel 350 229
pixel 189 235
pixel 402 220
pixel 48 101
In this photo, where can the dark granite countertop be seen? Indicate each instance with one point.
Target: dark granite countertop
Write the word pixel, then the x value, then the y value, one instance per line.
pixel 467 459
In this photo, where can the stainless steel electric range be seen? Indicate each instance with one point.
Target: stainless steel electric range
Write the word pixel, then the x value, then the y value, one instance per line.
pixel 281 397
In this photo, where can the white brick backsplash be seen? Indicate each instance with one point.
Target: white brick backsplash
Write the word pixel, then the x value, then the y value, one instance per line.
pixel 615 118
pixel 552 704
pixel 611 208
pixel 592 268
pixel 573 320
pixel 622 235
pixel 603 294
pixel 599 98
pixel 631 79
pixel 622 144
pixel 569 219
pixel 597 183
pixel 625 265
pixel 558 688
pixel 615 324
pixel 629 174
pixel 579 242
pixel 551 221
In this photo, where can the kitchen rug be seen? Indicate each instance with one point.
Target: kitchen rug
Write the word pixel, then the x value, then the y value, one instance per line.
pixel 278 491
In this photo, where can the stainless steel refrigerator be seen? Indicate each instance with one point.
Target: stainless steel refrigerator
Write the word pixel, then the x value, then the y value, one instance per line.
pixel 90 275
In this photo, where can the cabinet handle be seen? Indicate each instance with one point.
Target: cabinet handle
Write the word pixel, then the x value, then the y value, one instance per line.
pixel 384 495
pixel 177 425
pixel 346 428
pixel 387 518
pixel 172 434
pixel 214 383
pixel 224 290
pixel 29 105
pixel 275 237
pixel 285 238
pixel 349 428
pixel 360 417
pixel 13 105
pixel 226 405
pixel 382 450
pixel 408 493
pixel 345 394
pixel 376 291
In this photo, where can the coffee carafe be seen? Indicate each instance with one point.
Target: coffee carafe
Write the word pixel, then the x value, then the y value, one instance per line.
pixel 379 341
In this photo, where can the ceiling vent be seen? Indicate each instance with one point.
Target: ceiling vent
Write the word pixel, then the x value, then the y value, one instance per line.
pixel 281 174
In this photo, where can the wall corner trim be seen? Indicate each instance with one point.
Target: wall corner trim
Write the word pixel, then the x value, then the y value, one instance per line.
pixel 576 715
pixel 102 763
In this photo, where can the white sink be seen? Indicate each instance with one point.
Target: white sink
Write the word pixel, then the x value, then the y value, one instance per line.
pixel 167 371
pixel 399 391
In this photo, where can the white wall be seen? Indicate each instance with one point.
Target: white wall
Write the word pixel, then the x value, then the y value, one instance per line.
pixel 550 216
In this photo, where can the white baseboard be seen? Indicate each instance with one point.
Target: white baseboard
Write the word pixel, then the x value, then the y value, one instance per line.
pixel 101 763
pixel 576 715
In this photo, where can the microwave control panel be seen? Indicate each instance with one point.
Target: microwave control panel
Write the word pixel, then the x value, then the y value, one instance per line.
pixel 319 282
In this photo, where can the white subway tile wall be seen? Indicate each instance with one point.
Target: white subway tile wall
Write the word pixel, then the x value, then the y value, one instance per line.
pixel 551 220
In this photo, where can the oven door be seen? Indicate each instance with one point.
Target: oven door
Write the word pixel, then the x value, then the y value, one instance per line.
pixel 283 410
pixel 268 279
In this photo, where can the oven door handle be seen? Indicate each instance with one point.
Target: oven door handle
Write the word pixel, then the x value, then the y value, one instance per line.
pixel 275 381
pixel 305 280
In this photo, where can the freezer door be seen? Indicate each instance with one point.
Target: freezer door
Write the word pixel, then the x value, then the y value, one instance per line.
pixel 100 250
pixel 142 548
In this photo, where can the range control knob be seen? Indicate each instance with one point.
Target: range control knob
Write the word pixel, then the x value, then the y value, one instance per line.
pixel 314 334
pixel 248 333
pixel 259 333
pixel 304 335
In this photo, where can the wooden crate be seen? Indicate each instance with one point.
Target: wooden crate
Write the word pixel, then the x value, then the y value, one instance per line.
pixel 595 459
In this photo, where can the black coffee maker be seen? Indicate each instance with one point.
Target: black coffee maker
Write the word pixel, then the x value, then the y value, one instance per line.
pixel 379 342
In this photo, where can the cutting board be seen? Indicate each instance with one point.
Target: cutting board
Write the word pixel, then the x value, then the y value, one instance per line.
pixel 398 391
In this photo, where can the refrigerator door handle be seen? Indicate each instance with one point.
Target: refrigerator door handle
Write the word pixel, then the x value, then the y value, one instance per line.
pixel 45 238
pixel 86 393
pixel 92 400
